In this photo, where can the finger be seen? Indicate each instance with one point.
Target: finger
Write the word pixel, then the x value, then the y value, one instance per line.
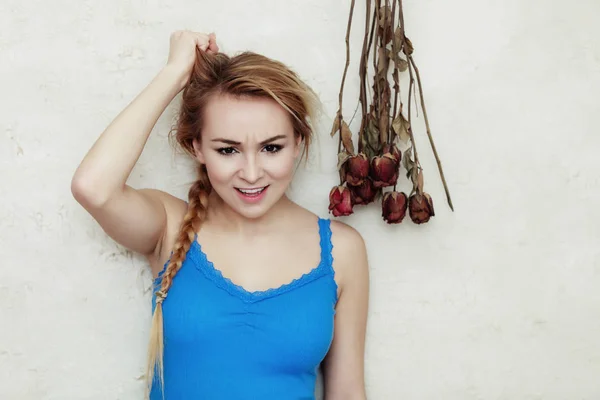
pixel 212 49
pixel 201 42
pixel 201 45
pixel 212 40
pixel 203 38
pixel 213 46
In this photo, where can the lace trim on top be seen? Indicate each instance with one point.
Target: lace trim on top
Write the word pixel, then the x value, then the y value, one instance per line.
pixel 325 267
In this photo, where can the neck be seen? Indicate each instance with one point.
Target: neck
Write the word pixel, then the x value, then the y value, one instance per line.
pixel 223 219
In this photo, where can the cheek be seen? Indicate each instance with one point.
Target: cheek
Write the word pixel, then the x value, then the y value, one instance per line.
pixel 281 167
pixel 220 169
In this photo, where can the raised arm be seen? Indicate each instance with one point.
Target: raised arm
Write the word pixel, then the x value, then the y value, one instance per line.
pixel 137 219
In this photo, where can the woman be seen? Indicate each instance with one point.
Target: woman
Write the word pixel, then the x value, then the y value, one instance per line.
pixel 252 290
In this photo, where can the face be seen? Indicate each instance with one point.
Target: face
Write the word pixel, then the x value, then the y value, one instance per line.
pixel 249 149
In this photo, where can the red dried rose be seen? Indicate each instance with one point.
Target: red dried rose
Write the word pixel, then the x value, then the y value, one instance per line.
pixel 420 208
pixel 384 171
pixel 340 201
pixel 364 193
pixel 393 207
pixel 392 150
pixel 357 169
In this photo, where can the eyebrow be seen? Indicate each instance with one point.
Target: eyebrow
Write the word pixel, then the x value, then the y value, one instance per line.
pixel 233 142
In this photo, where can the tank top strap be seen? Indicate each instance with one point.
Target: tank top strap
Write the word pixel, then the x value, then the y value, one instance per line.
pixel 326 245
pixel 326 264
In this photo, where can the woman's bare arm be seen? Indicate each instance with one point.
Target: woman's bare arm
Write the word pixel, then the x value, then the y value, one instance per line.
pixel 344 365
pixel 137 219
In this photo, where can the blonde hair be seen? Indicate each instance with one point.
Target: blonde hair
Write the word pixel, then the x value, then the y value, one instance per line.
pixel 245 75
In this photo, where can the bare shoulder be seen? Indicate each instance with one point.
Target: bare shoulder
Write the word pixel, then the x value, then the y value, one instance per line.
pixel 345 236
pixel 349 253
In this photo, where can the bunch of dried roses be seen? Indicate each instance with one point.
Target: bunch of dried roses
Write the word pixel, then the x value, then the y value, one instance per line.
pixel 376 165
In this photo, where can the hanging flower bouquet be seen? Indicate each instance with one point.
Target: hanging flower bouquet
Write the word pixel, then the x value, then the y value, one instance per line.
pixel 375 165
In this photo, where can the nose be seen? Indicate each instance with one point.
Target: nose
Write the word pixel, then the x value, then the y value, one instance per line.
pixel 251 171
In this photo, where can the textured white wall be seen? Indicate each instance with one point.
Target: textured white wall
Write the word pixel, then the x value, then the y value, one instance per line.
pixel 498 300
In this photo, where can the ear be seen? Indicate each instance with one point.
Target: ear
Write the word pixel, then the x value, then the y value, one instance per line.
pixel 198 151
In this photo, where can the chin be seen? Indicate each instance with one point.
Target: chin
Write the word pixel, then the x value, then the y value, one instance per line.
pixel 251 214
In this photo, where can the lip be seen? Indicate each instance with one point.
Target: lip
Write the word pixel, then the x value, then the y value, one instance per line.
pixel 251 199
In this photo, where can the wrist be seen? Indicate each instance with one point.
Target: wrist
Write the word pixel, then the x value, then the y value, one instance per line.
pixel 176 76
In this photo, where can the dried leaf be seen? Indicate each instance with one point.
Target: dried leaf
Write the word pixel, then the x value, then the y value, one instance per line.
pixel 400 126
pixel 362 139
pixel 372 114
pixel 408 47
pixel 414 175
pixel 385 14
pixel 385 24
pixel 372 144
pixel 347 138
pixel 398 37
pixel 400 63
pixel 343 156
pixel 389 54
pixel 386 95
pixel 336 124
pixel 407 161
pixel 384 125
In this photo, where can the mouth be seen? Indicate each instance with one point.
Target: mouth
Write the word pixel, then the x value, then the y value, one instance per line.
pixel 252 194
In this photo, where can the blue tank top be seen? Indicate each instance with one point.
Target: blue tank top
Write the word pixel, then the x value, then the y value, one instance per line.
pixel 222 342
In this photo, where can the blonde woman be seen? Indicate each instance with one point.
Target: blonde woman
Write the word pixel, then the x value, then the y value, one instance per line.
pixel 252 291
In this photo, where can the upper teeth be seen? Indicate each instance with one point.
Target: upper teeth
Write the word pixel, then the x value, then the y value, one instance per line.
pixel 251 190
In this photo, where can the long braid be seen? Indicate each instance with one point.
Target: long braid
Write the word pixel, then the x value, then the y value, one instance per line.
pixel 196 214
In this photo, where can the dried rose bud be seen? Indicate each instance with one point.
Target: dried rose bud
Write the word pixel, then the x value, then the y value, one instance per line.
pixel 340 201
pixel 420 208
pixel 392 150
pixel 394 207
pixel 363 194
pixel 384 171
pixel 357 169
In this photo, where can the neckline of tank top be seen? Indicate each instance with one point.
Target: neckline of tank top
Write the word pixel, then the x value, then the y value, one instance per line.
pixel 324 267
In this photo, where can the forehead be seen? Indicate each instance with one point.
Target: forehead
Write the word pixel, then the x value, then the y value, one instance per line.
pixel 245 118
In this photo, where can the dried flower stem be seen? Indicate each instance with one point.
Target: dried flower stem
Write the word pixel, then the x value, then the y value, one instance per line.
pixel 376 95
pixel 363 73
pixel 396 77
pixel 410 132
pixel 437 159
pixel 410 89
pixel 339 115
pixel 412 66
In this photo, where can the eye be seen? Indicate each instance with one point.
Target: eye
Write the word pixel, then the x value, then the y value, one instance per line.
pixel 273 148
pixel 226 151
